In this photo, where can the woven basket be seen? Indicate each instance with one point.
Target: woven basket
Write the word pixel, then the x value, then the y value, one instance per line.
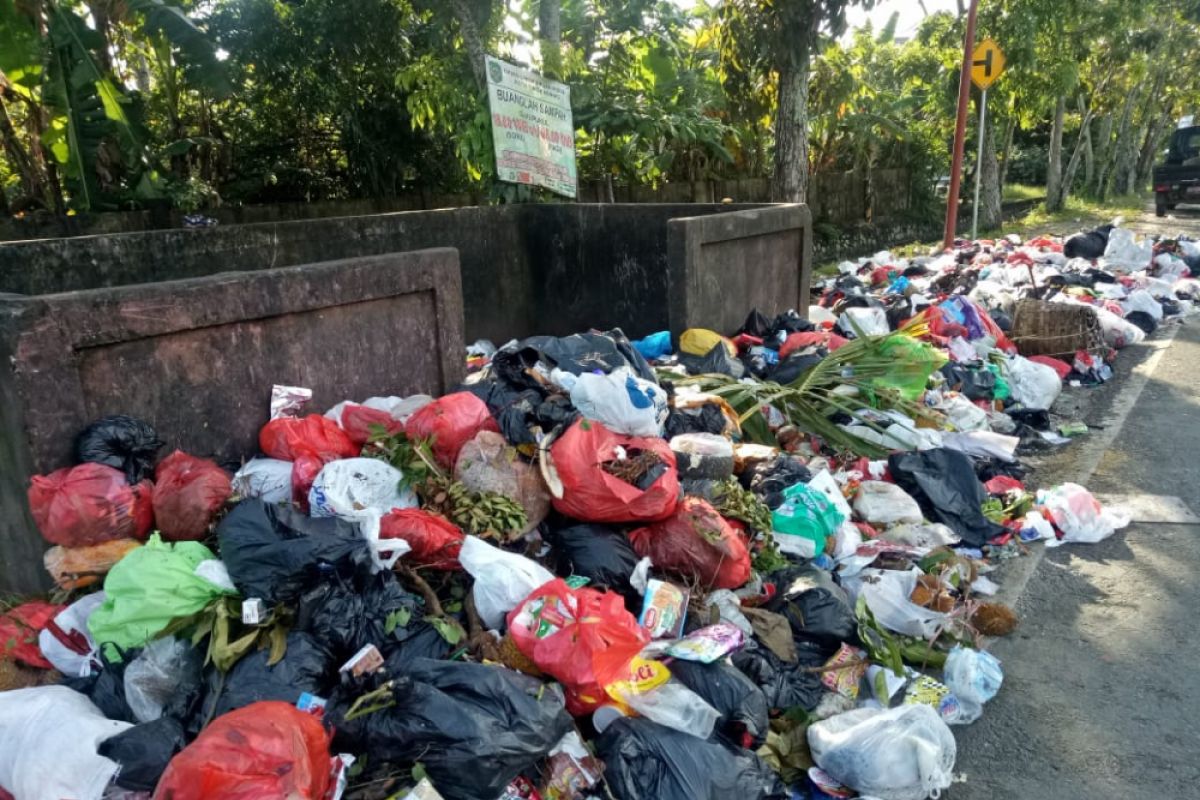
pixel 1055 329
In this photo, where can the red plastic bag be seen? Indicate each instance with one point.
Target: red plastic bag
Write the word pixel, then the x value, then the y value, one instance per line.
pixel 305 470
pixel 188 492
pixel 451 421
pixel 435 540
pixel 266 749
pixel 572 634
pixel 288 438
pixel 591 494
pixel 799 341
pixel 697 543
pixel 90 504
pixel 357 422
pixel 19 629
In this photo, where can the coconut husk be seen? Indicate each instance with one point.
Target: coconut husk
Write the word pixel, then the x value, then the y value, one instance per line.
pixel 994 619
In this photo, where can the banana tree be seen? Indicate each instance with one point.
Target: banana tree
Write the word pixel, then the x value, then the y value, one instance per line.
pixel 54 64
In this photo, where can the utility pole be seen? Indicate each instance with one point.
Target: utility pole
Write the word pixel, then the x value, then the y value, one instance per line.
pixel 960 128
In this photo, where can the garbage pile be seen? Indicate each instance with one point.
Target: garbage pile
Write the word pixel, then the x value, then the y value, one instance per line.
pixel 746 563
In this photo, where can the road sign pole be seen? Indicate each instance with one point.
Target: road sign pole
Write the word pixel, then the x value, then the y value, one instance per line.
pixel 960 128
pixel 979 165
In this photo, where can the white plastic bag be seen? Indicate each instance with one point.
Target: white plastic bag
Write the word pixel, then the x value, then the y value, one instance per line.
pixel 1034 521
pixel 974 676
pixel 902 753
pixel 1117 332
pixel 73 652
pixel 399 408
pixel 887 592
pixel 268 479
pixel 363 490
pixel 983 444
pixel 927 535
pixel 48 741
pixel 1141 300
pixel 963 414
pixel 1033 385
pixel 882 503
pixel 871 321
pixel 502 579
pixel 1125 253
pixel 154 677
pixel 622 402
pixel 1079 516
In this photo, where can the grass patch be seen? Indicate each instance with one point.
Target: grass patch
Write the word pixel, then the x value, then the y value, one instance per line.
pixel 1015 192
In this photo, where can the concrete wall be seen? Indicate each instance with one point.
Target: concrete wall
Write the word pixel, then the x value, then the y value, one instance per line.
pixel 526 269
pixel 196 359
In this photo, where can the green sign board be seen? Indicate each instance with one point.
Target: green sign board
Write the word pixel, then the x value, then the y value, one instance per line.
pixel 532 129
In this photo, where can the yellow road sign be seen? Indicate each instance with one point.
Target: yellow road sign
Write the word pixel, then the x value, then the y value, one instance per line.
pixel 987 63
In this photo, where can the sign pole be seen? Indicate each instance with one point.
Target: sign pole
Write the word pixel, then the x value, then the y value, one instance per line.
pixel 979 165
pixel 960 129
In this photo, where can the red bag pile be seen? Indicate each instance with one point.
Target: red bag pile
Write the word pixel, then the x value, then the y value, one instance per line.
pixel 357 421
pixel 266 749
pixel 566 631
pixel 288 438
pixel 591 494
pixel 435 540
pixel 309 443
pixel 697 543
pixel 451 422
pixel 19 630
pixel 90 504
pixel 188 492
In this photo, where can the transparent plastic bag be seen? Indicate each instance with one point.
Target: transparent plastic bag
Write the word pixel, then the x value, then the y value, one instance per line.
pixel 902 753
pixel 268 479
pixel 1079 516
pixel 975 677
pixel 153 678
pixel 882 503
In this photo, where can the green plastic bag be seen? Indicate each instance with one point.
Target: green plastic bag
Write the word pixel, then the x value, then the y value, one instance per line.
pixel 806 513
pixel 911 362
pixel 1003 392
pixel 148 588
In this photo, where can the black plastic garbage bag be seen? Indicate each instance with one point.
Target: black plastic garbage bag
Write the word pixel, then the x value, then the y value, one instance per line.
pixel 795 365
pixel 818 616
pixel 121 442
pixel 783 684
pixel 588 352
pixel 275 552
pixel 716 362
pixel 305 667
pixel 345 615
pixel 422 640
pixel 769 479
pixel 647 761
pixel 517 411
pixel 1036 418
pixel 988 468
pixel 790 322
pixel 743 706
pixel 943 482
pixel 1089 245
pixel 599 553
pixel 1143 320
pixel 473 727
pixel 144 751
pixel 706 419
pixel 107 689
pixel 756 324
pixel 974 383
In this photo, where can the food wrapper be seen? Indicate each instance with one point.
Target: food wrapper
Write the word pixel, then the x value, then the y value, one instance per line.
pixel 845 681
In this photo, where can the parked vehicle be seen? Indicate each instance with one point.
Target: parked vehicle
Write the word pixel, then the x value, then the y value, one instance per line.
pixel 1177 180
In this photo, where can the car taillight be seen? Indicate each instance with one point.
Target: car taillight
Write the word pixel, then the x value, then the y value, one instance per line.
pixel 1163 188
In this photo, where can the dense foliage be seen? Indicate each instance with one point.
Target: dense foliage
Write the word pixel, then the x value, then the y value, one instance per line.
pixel 190 103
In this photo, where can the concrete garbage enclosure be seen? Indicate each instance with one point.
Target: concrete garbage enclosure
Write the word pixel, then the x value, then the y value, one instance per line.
pixel 183 325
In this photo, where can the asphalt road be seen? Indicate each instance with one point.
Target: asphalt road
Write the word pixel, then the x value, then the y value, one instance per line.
pixel 1101 699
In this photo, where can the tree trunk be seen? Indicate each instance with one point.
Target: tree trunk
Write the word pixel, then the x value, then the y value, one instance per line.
pixel 990 194
pixel 1103 152
pixel 1009 132
pixel 1054 193
pixel 1089 161
pixel 476 51
pixel 550 36
pixel 1151 145
pixel 1115 164
pixel 22 164
pixel 1068 181
pixel 791 135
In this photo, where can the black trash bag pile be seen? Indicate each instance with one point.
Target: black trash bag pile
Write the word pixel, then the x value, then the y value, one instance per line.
pixel 472 727
pixel 646 761
pixel 144 751
pixel 943 482
pixel 599 553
